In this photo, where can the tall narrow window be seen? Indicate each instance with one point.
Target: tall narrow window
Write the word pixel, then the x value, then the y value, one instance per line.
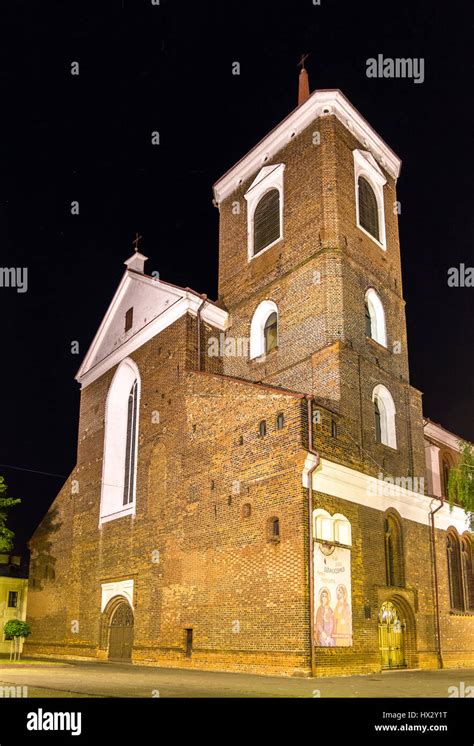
pixel 393 552
pixel 280 421
pixel 378 427
pixel 368 321
pixel 368 208
pixel 446 468
pixel 467 570
pixel 129 319
pixel 454 572
pixel 262 428
pixel 384 410
pixel 120 443
pixel 270 332
pixel 130 448
pixel 375 318
pixel 12 599
pixel 266 221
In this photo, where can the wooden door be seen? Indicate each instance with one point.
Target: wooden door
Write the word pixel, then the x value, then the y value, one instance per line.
pixel 121 634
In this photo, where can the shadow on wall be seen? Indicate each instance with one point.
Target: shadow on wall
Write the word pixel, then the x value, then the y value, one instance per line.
pixel 42 564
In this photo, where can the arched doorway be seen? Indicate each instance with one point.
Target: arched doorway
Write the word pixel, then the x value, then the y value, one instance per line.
pixel 121 633
pixel 392 636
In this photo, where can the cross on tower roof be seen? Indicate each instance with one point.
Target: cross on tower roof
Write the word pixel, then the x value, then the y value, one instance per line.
pixel 135 242
pixel 301 62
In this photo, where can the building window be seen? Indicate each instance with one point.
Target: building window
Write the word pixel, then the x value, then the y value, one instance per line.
pixel 280 421
pixel 447 465
pixel 265 209
pixel 333 429
pixel 189 643
pixel 246 510
pixel 368 209
pixel 394 564
pixel 384 412
pixel 454 572
pixel 130 448
pixel 264 329
pixel 369 184
pixel 273 529
pixel 468 572
pixel 12 599
pixel 262 428
pixel 270 332
pixel 129 319
pixel 331 528
pixel 375 318
pixel 120 443
pixel 266 221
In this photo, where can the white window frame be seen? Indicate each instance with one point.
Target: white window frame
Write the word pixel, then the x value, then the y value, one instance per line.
pixel 365 165
pixel 377 317
pixel 329 528
pixel 257 327
pixel 388 429
pixel 115 438
pixel 267 179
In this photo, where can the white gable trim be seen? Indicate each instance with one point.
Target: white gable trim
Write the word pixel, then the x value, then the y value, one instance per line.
pixel 440 435
pixel 354 486
pixel 183 302
pixel 320 103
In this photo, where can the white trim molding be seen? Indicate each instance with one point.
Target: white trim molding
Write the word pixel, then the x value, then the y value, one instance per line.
pixel 355 487
pixel 320 103
pixel 365 165
pixel 387 411
pixel 267 179
pixel 122 588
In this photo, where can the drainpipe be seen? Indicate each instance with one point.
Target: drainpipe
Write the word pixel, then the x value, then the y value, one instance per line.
pixel 310 527
pixel 204 301
pixel 435 575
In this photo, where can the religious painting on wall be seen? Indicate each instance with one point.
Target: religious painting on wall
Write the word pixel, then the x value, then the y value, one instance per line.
pixel 332 596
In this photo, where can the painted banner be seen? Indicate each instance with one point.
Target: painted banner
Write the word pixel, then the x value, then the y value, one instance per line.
pixel 332 596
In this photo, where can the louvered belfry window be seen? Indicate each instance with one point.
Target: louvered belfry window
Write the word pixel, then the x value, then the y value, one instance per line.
pixel 368 208
pixel 266 220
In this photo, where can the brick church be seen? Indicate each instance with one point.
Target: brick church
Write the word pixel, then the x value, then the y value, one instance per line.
pixel 256 488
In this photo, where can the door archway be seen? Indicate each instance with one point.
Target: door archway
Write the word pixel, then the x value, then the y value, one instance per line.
pixel 121 633
pixel 392 636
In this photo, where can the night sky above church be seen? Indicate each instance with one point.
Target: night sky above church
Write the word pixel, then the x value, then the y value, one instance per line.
pixel 168 68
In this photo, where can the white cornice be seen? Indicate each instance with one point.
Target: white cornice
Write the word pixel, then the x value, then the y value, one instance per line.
pixel 354 486
pixel 320 103
pixel 185 301
pixel 442 436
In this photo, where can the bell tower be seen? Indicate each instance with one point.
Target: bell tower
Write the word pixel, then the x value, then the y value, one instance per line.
pixel 309 227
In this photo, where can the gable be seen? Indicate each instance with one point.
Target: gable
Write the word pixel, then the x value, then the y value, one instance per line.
pixel 156 305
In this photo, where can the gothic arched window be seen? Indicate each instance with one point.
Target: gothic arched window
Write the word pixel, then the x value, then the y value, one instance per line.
pixel 454 571
pixel 266 221
pixel 120 443
pixel 368 208
pixel 394 565
pixel 468 572
pixel 375 318
pixel 384 411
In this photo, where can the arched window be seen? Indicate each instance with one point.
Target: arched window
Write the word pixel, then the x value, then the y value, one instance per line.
pixel 394 565
pixel 264 329
pixel 454 571
pixel 331 528
pixel 446 467
pixel 368 208
pixel 266 221
pixel 262 428
pixel 468 572
pixel 120 443
pixel 270 331
pixel 384 413
pixel 280 421
pixel 375 318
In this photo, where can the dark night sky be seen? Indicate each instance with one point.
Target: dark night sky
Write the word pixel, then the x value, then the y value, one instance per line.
pixel 168 68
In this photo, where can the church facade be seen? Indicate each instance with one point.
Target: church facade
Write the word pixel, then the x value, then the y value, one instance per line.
pixel 256 488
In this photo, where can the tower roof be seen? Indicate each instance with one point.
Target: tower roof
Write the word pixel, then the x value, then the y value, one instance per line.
pixel 319 103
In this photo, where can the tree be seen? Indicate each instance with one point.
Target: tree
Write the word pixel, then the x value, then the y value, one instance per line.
pixel 6 535
pixel 17 630
pixel 461 481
